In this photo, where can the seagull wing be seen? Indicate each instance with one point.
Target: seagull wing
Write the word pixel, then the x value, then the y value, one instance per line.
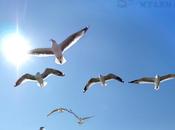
pixel 113 76
pixel 53 111
pixel 88 117
pixel 90 83
pixel 57 110
pixel 70 111
pixel 145 80
pixel 41 52
pixel 72 39
pixel 24 78
pixel 49 71
pixel 167 77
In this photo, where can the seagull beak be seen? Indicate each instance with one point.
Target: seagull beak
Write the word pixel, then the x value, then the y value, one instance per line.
pixel 86 28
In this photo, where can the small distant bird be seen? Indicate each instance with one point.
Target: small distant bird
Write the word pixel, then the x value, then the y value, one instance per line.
pixel 39 77
pixel 101 79
pixel 42 128
pixel 57 50
pixel 81 120
pixel 154 80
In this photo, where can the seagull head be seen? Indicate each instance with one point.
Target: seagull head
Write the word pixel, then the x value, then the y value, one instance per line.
pixel 52 40
pixel 86 28
pixel 38 73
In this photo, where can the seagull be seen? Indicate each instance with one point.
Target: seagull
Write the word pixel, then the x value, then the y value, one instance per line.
pixel 57 50
pixel 102 79
pixel 39 77
pixel 154 80
pixel 42 128
pixel 81 120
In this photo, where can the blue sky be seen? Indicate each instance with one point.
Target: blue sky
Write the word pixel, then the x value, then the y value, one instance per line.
pixel 131 41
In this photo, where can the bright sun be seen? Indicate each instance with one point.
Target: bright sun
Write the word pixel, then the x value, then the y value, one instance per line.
pixel 15 48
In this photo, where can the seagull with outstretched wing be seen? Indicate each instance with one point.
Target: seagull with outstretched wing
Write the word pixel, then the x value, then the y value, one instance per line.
pixel 101 79
pixel 81 120
pixel 57 50
pixel 39 77
pixel 154 80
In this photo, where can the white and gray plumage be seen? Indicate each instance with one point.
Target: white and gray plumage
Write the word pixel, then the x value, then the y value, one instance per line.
pixel 101 79
pixel 42 128
pixel 154 80
pixel 81 120
pixel 39 77
pixel 57 50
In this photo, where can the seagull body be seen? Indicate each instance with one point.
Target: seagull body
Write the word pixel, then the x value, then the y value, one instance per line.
pixel 102 79
pixel 40 80
pixel 57 50
pixel 38 77
pixel 81 120
pixel 154 80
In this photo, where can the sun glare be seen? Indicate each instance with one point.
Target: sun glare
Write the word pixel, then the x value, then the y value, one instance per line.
pixel 15 48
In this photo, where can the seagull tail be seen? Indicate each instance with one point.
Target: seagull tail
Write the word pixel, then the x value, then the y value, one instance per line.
pixel 105 84
pixel 80 122
pixel 156 88
pixel 44 84
pixel 58 62
pixel 38 85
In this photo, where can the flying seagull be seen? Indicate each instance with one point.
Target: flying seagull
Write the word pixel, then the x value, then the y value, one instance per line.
pixel 154 80
pixel 81 120
pixel 102 79
pixel 42 128
pixel 57 50
pixel 39 77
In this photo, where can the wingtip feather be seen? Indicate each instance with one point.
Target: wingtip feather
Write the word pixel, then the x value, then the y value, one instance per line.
pixel 131 82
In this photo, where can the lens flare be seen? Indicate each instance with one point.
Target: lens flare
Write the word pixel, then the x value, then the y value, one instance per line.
pixel 15 48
